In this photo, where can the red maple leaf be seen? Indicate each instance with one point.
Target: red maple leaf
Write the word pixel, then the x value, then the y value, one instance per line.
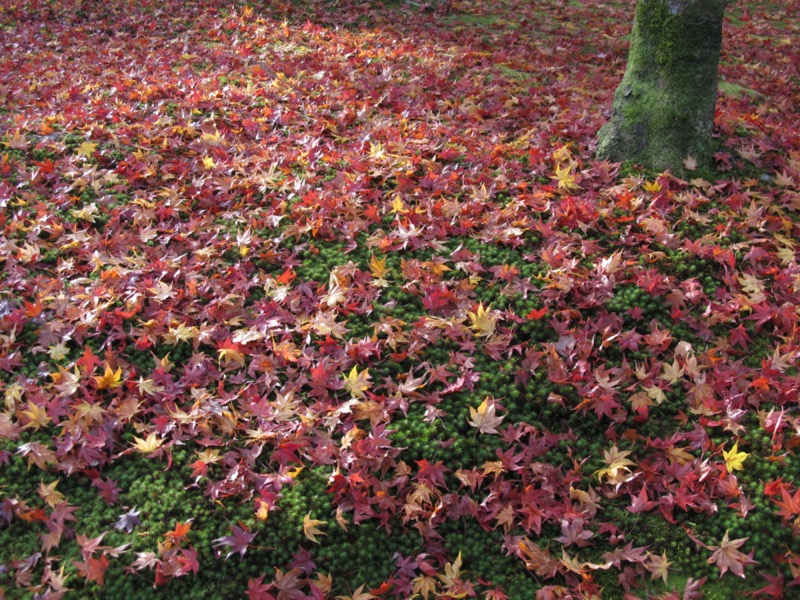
pixel 774 487
pixel 88 360
pixel 728 558
pixel 789 505
pixel 773 589
pixel 641 503
pixel 94 569
pixel 258 590
pixel 237 542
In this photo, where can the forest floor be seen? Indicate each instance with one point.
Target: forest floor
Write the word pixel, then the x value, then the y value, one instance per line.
pixel 332 299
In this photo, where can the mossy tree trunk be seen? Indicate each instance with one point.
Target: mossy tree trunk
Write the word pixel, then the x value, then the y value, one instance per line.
pixel 664 108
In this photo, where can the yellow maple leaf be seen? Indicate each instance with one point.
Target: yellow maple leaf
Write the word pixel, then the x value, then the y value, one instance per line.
pixel 357 383
pixel 566 178
pixel 109 379
pixel 672 372
pixel 181 333
pixel 785 254
pixel 484 417
pixel 752 286
pixel 86 149
pixel 49 494
pixel 13 394
pixel 92 412
pixel 37 416
pixel 58 352
pixel 324 583
pixel 230 356
pixel 679 454
pixel 262 510
pixel 652 186
pixel 378 267
pixel 310 528
pixel 617 465
pixel 658 566
pixel 208 162
pixel 424 586
pixel 734 459
pixel 656 394
pixel 149 445
pixel 358 594
pixel 562 154
pixel 452 572
pixel 294 472
pixel 482 321
pixel 398 206
pixel 17 141
pixel 89 213
pixel 148 386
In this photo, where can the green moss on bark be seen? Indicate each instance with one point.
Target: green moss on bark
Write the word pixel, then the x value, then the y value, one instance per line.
pixel 664 107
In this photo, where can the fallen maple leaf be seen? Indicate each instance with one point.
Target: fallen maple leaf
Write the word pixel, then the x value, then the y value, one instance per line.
pixel 566 178
pixel 658 566
pixel 572 532
pixel 37 416
pixel 237 542
pixel 17 141
pixel 482 321
pixel 617 464
pixel 537 559
pixel 379 270
pixel 734 459
pixel 452 572
pixel 177 535
pixel 109 379
pixel 230 355
pixel 358 594
pixel 357 383
pixel 424 586
pixel 49 494
pixel 93 569
pixel 148 445
pixel 128 521
pixel 789 505
pixel 728 558
pixel 310 528
pixel 535 314
pixel 289 583
pixel 86 149
pixel 484 417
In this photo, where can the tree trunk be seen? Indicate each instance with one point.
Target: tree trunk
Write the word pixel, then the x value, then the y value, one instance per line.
pixel 664 107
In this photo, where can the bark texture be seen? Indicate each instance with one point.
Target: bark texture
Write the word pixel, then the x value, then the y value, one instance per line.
pixel 664 108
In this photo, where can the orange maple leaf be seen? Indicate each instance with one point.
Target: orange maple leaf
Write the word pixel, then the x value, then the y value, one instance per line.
pixel 109 379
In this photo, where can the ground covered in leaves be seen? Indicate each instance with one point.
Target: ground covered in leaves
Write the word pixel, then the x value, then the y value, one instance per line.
pixel 314 300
